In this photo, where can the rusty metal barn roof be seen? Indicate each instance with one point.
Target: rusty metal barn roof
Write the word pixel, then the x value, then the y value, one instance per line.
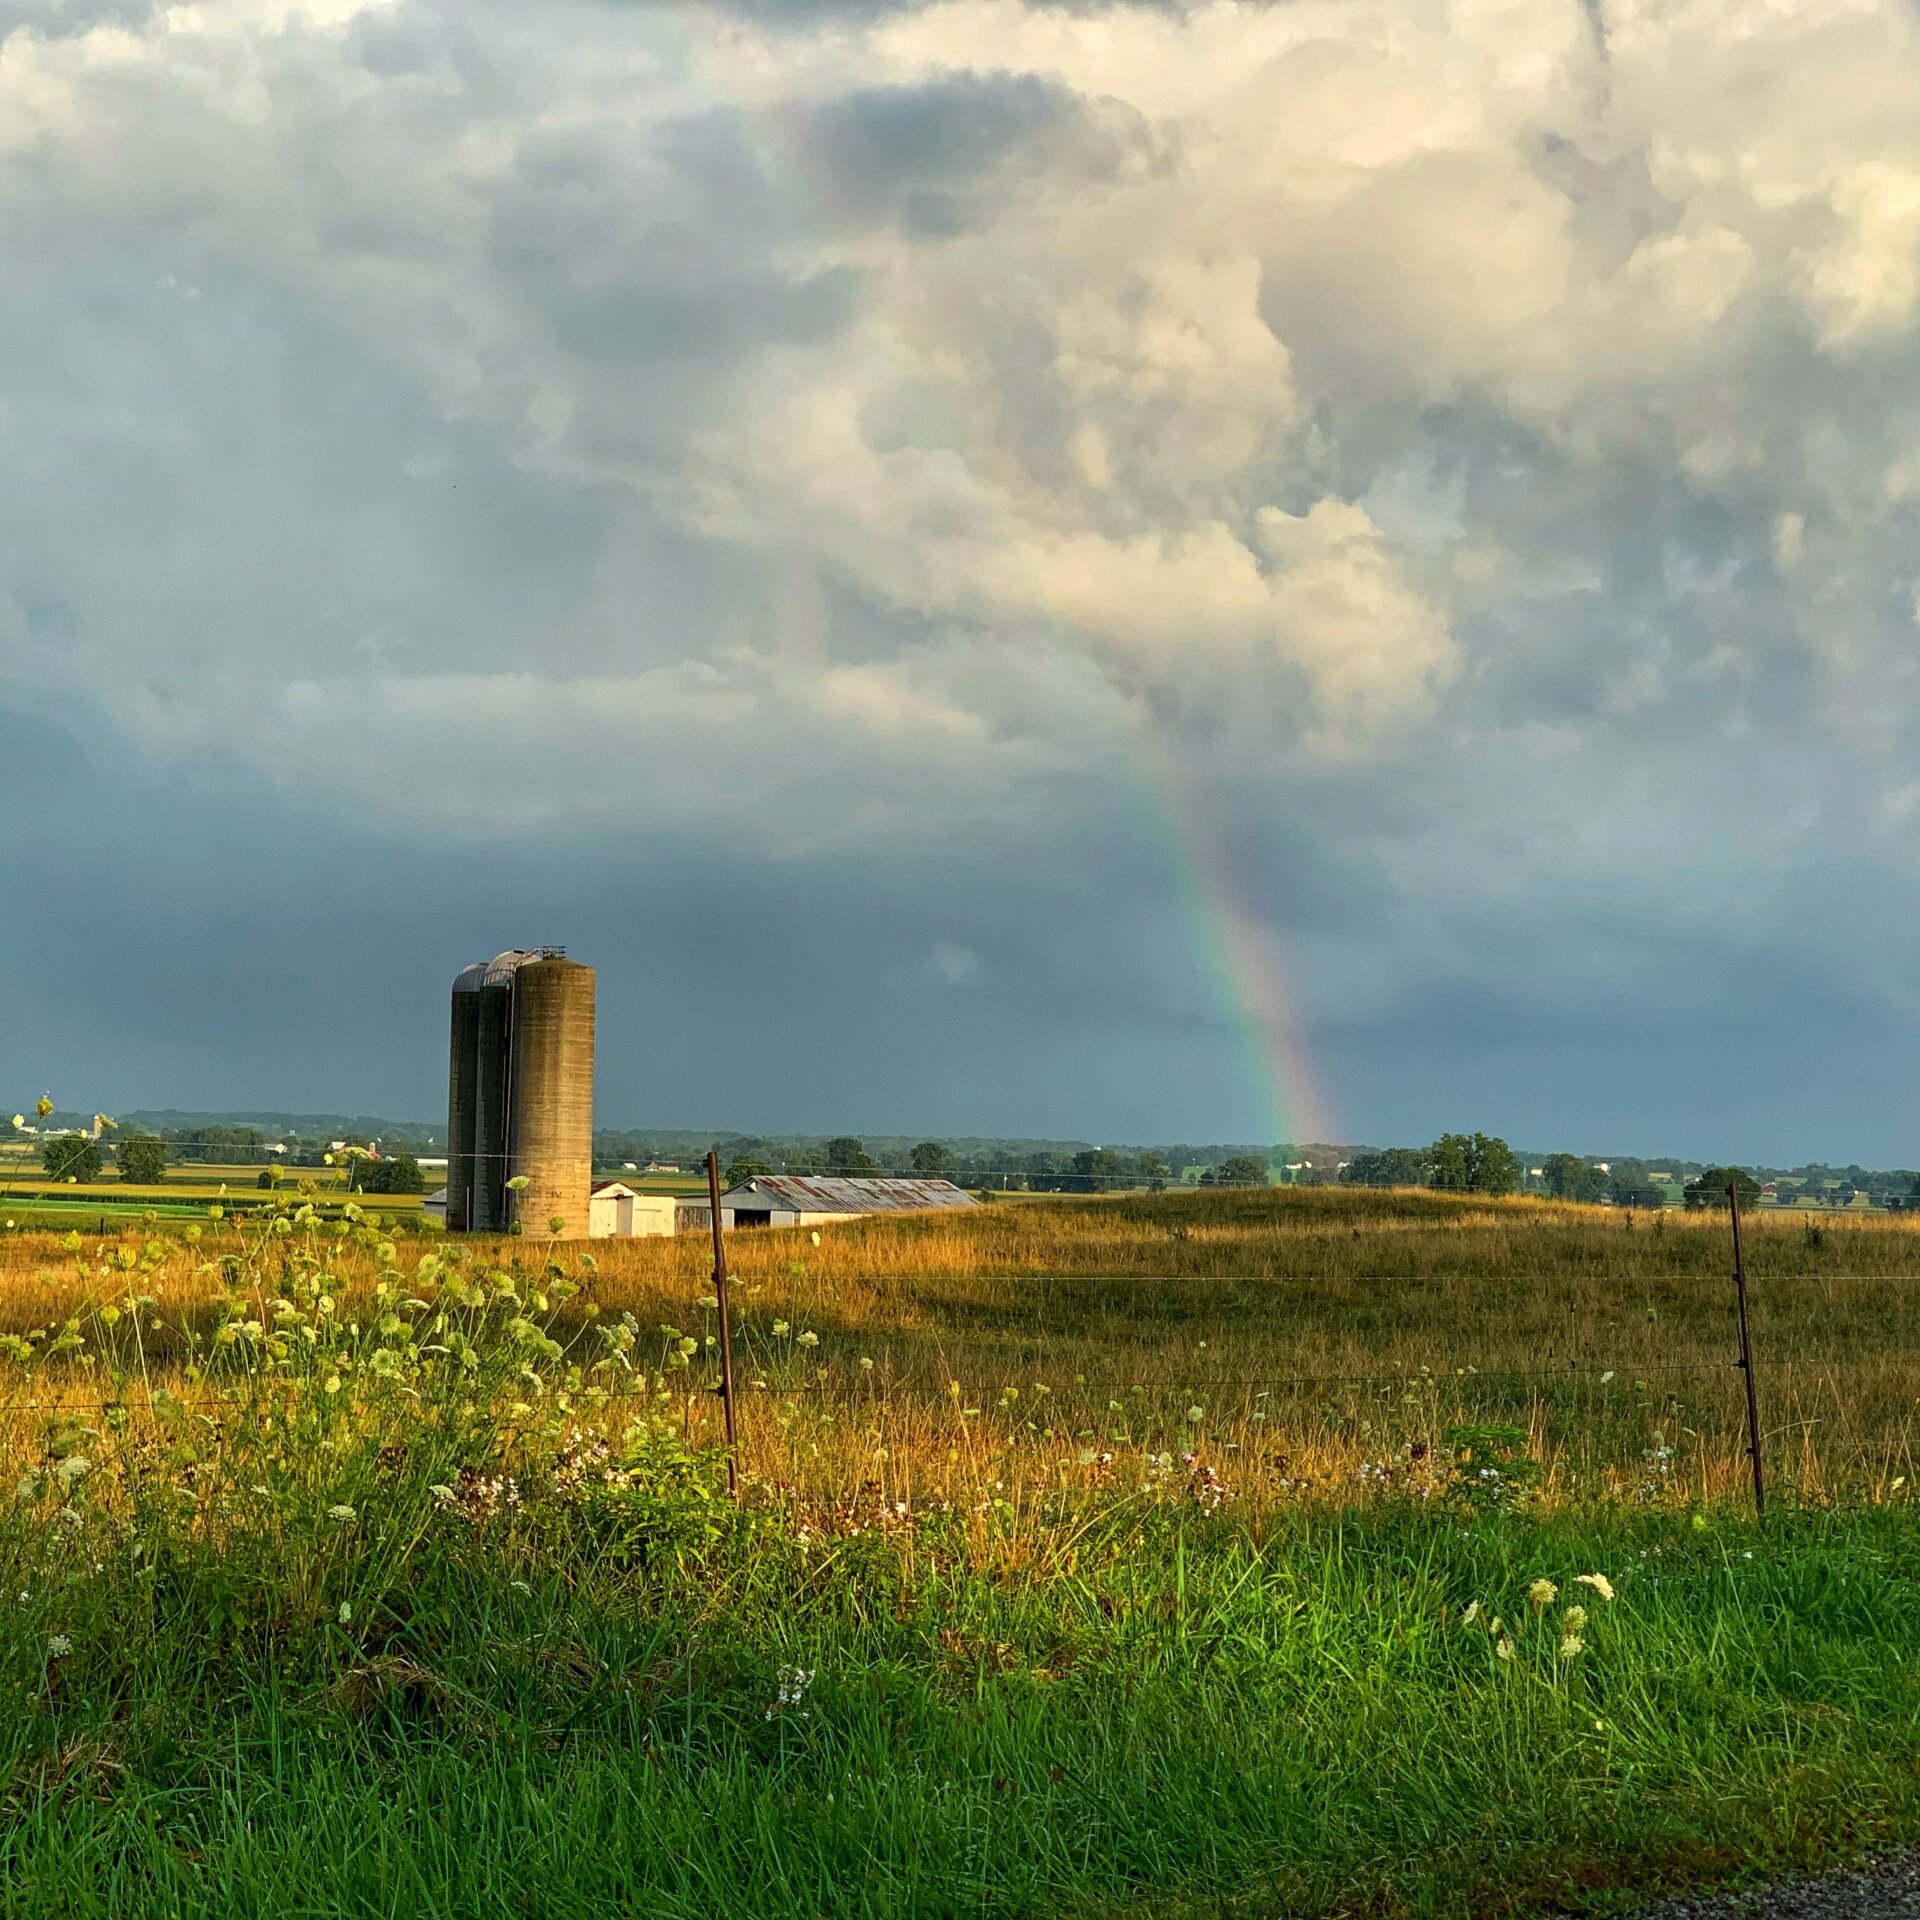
pixel 832 1193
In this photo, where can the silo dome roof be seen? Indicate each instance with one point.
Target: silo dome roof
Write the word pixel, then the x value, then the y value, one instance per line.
pixel 500 969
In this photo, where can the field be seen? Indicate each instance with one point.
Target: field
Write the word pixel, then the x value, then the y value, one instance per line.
pixel 1307 1552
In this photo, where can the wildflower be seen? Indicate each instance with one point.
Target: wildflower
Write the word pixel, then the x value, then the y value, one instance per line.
pixel 866 1365
pixel 342 1512
pixel 1472 1613
pixel 814 1237
pixel 1570 1644
pixel 1542 1593
pixel 59 1647
pixel 1574 1619
pixel 809 1340
pixel 1195 1415
pixel 781 1329
pixel 793 1683
pixel 1503 1647
pixel 1598 1582
pixel 346 1613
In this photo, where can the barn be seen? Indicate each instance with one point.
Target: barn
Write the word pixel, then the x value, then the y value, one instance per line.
pixel 811 1200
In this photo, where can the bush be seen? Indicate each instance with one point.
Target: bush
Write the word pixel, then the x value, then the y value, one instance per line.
pixel 1492 1470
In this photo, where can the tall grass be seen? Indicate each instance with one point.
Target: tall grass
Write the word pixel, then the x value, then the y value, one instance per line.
pixel 1330 1341
pixel 1167 1558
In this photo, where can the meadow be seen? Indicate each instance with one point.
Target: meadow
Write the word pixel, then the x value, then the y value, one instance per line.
pixel 1262 1553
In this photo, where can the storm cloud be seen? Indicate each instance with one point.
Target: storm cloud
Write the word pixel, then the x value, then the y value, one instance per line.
pixel 854 513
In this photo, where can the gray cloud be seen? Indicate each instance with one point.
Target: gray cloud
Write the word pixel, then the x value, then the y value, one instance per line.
pixel 962 468
pixel 950 154
pixel 62 19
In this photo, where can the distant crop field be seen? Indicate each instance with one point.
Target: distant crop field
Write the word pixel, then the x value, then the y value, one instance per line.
pixel 686 1183
pixel 1306 1552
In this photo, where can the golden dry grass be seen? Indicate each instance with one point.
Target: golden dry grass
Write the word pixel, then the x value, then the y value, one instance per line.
pixel 1315 1344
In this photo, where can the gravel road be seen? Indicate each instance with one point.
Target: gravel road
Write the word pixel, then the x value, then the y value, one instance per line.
pixel 1884 1888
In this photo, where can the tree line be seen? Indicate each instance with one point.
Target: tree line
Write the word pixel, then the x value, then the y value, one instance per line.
pixel 1086 1170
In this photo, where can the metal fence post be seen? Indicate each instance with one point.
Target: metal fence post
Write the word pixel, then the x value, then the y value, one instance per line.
pixel 1746 1359
pixel 726 1327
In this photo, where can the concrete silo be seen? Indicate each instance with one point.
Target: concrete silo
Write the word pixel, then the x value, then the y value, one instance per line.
pixel 520 1095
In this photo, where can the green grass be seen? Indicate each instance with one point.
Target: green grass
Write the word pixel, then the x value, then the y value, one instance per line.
pixel 277 1641
pixel 1184 1720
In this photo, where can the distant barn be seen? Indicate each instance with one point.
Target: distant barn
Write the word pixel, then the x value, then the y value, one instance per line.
pixel 808 1200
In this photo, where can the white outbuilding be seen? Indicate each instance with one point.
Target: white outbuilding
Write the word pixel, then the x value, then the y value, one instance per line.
pixel 615 1211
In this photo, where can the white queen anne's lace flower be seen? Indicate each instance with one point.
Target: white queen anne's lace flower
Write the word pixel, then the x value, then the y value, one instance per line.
pixel 793 1683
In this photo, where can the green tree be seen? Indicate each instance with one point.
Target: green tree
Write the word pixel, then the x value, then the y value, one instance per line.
pixel 739 1172
pixel 1242 1170
pixel 1709 1187
pixel 1386 1167
pixel 845 1154
pixel 1635 1190
pixel 1569 1177
pixel 227 1144
pixel 142 1159
pixel 1473 1163
pixel 1451 1158
pixel 931 1158
pixel 71 1156
pixel 1495 1168
pixel 1096 1170
pixel 394 1173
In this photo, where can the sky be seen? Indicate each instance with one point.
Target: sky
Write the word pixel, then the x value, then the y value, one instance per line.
pixel 1152 572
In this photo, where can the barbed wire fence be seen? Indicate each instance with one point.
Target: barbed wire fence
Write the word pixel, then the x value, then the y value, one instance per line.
pixel 1244 1391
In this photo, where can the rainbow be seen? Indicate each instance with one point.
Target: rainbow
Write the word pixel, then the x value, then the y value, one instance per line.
pixel 1239 955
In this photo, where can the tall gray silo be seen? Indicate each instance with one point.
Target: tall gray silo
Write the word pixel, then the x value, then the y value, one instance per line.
pixel 520 1094
pixel 463 1096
